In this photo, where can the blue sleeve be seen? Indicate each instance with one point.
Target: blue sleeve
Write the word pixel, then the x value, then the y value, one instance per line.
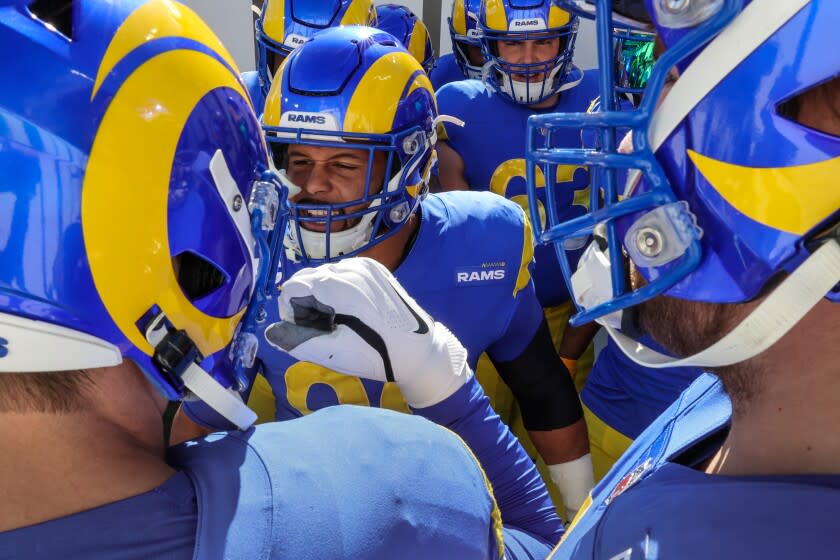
pixel 520 492
pixel 525 312
pixel 451 102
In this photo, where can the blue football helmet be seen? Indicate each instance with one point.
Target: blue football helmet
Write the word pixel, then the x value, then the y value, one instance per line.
pixel 401 22
pixel 727 191
pixel 633 43
pixel 128 160
pixel 463 29
pixel 518 20
pixel 284 25
pixel 357 88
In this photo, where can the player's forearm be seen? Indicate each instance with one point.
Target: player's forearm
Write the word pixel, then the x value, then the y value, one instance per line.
pixel 563 444
pixel 519 491
pixel 576 339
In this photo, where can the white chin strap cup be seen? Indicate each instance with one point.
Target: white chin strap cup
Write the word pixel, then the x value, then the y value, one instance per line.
pixel 226 402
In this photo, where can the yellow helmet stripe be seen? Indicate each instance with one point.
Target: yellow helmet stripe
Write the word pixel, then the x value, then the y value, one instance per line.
pixel 274 20
pixel 384 80
pixel 417 42
pixel 459 17
pixel 168 19
pixel 495 15
pixel 125 225
pixel 793 199
pixel 359 12
pixel 274 100
pixel 558 17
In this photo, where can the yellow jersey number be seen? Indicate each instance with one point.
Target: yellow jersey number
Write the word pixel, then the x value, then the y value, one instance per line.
pixel 302 376
pixel 515 168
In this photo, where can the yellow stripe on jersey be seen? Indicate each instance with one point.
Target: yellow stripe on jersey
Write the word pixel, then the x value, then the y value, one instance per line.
pixel 495 514
pixel 524 275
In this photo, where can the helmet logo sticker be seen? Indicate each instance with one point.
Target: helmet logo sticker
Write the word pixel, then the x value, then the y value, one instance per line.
pixel 318 121
pixel 523 24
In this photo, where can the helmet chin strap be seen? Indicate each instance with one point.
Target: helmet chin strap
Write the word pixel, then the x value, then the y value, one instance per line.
pixel 762 328
pixel 196 379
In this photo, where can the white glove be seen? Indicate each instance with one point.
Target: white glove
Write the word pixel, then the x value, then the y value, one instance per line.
pixel 575 480
pixel 354 318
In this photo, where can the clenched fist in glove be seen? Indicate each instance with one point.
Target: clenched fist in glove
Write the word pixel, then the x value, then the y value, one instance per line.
pixel 354 318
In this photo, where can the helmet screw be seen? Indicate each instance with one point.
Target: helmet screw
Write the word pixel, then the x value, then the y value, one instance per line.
pixel 676 6
pixel 411 145
pixel 399 213
pixel 236 204
pixel 649 242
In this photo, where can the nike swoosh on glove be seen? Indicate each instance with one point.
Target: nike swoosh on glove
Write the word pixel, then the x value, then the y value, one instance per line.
pixel 353 317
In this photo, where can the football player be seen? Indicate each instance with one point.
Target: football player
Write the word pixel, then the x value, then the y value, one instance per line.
pixel 465 60
pixel 135 273
pixel 620 397
pixel 529 70
pixel 401 22
pixel 284 25
pixel 733 251
pixel 360 153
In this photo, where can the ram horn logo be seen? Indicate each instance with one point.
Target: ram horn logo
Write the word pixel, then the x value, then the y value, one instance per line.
pixel 794 199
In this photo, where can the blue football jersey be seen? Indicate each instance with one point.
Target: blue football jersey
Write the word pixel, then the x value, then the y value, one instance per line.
pixel 469 268
pixel 446 70
pixel 492 146
pixel 655 504
pixel 321 487
pixel 252 84
pixel 627 396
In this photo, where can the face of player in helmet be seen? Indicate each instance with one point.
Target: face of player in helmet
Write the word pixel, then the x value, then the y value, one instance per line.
pixel 529 52
pixel 687 327
pixel 333 176
pixel 474 55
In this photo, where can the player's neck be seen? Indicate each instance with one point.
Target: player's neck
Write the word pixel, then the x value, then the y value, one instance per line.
pixel 56 465
pixel 788 425
pixel 392 251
